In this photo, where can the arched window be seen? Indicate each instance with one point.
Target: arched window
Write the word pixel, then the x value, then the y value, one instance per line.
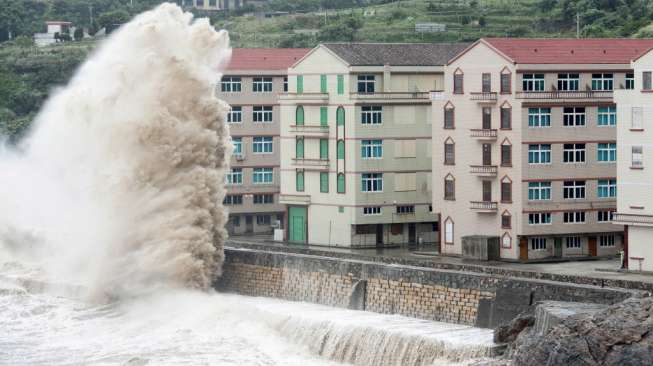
pixel 299 148
pixel 506 116
pixel 506 190
pixel 449 152
pixel 341 183
pixel 458 81
pixel 448 231
pixel 299 116
pixel 506 220
pixel 340 116
pixel 449 116
pixel 449 188
pixel 505 81
pixel 341 149
pixel 506 153
pixel 506 241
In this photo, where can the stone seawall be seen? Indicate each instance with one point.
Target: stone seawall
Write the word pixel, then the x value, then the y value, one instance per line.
pixel 435 294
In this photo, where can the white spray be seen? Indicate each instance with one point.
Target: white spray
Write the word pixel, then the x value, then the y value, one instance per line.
pixel 120 184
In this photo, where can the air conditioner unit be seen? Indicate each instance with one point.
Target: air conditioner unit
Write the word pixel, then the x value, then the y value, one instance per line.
pixel 240 157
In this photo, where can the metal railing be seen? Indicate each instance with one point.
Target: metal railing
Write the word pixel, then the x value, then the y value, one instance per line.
pixel 391 95
pixel 632 218
pixel 309 129
pixel 484 205
pixel 483 169
pixel 484 96
pixel 484 133
pixel 310 162
pixel 304 96
pixel 565 94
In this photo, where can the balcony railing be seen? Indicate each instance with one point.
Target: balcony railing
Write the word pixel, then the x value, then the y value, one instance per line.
pixel 294 199
pixel 622 218
pixel 304 96
pixel 485 97
pixel 486 134
pixel 484 206
pixel 311 162
pixel 391 95
pixel 484 170
pixel 310 129
pixel 564 94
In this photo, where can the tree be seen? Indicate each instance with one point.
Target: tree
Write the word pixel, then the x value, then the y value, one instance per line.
pixel 111 18
pixel 79 34
pixel 481 21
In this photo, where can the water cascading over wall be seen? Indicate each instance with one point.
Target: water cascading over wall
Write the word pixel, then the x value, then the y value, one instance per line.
pixel 120 183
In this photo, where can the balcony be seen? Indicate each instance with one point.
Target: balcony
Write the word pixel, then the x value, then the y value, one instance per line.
pixel 632 219
pixel 484 206
pixel 295 199
pixel 484 97
pixel 311 163
pixel 484 170
pixel 563 95
pixel 484 134
pixel 319 98
pixel 394 97
pixel 310 130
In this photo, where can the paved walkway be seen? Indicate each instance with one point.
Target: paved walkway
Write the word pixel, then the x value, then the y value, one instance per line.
pixel 600 269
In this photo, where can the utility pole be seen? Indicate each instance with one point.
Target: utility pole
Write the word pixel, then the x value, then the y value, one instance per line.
pixel 577 25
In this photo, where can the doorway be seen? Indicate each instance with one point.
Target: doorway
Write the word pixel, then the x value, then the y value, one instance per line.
pixel 487 154
pixel 379 235
pixel 487 191
pixel 297 218
pixel 591 243
pixel 412 233
pixel 249 224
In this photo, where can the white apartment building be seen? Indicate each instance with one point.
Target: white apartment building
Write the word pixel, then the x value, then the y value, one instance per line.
pixel 356 149
pixel 525 146
pixel 634 157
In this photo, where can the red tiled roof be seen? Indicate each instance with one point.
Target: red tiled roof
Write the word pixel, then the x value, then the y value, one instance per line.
pixel 571 51
pixel 265 58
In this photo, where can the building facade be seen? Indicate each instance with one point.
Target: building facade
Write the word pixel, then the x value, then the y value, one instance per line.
pixel 251 85
pixel 634 152
pixel 355 152
pixel 524 147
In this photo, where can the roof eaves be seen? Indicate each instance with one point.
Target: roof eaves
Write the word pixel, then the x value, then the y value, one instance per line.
pixel 315 49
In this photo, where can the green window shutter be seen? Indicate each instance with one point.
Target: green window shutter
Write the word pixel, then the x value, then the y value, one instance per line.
pixel 341 84
pixel 341 183
pixel 323 83
pixel 324 149
pixel 299 181
pixel 324 182
pixel 299 116
pixel 299 148
pixel 300 84
pixel 341 149
pixel 324 116
pixel 340 116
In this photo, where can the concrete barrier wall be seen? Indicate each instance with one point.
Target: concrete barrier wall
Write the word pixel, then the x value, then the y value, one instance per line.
pixel 435 294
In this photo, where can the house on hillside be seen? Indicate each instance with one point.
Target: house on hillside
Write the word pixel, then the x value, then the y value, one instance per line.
pixel 53 30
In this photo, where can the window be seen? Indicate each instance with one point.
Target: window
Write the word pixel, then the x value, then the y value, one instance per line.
pixel 458 82
pixel 630 81
pixel 262 85
pixel 235 176
pixel 324 149
pixel 408 209
pixel 372 182
pixel 506 220
pixel 646 80
pixel 262 113
pixel 300 84
pixel 573 217
pixel 538 243
pixel 606 240
pixel 449 188
pixel 285 84
pixel 372 115
pixel 487 118
pixel 539 191
pixel 262 219
pixel 262 176
pixel 506 241
pixel 340 149
pixel 607 188
pixel 449 153
pixel 539 154
pixel 448 117
pixel 573 189
pixel 539 218
pixel 568 82
pixel 372 211
pixel 506 118
pixel 340 116
pixel 607 152
pixel 637 121
pixel 299 180
pixel 230 84
pixel 324 116
pixel 486 82
pixel 366 83
pixel 506 191
pixel 235 115
pixel 233 199
pixel 505 83
pixel 533 82
pixel 299 116
pixel 238 145
pixel 324 182
pixel 234 220
pixel 637 157
pixel 539 117
pixel 601 81
pixel 573 116
pixel 448 231
pixel 341 84
pixel 604 216
pixel 262 199
pixel 341 183
pixel 299 148
pixel 572 242
pixel 323 83
pixel 262 145
pixel 573 153
pixel 372 149
pixel 506 155
pixel 607 116
pixel 365 229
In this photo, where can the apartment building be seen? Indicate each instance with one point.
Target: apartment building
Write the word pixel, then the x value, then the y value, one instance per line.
pixel 525 145
pixel 356 149
pixel 634 155
pixel 251 85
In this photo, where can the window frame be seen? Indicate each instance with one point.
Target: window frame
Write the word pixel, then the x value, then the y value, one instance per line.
pixel 539 190
pixel 603 81
pixel 372 182
pixel 372 149
pixel 568 81
pixel 606 118
pixel 262 84
pixel 262 143
pixel 235 114
pixel 537 119
pixel 606 188
pixel 232 175
pixel 229 84
pixel 262 114
pixel 366 83
pixel 574 153
pixel 574 190
pixel 606 152
pixel 574 117
pixel 538 244
pixel 540 152
pixel 540 218
pixel 262 175
pixel 574 217
pixel 372 115
pixel 533 82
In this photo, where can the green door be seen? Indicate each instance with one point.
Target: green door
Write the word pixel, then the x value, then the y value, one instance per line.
pixel 297 224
